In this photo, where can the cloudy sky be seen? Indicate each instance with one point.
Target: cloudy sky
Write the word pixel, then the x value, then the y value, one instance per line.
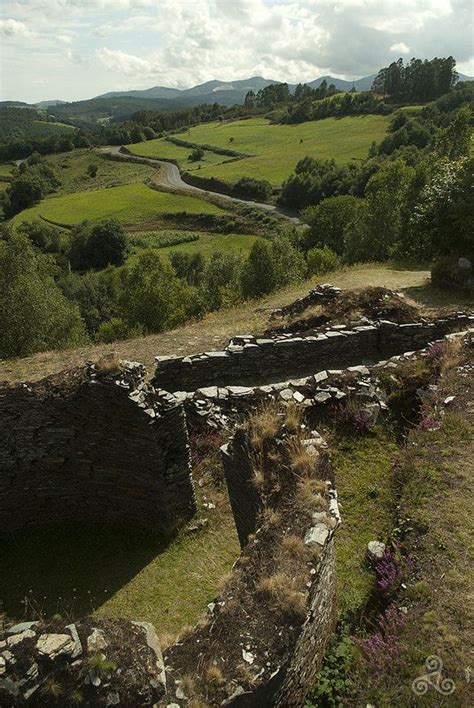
pixel 74 49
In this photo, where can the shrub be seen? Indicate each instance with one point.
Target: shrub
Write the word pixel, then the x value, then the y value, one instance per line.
pixel 196 155
pixel 447 273
pixel 34 314
pixel 258 274
pixel 332 683
pixel 248 188
pixel 98 246
pixel 322 260
pixel 116 329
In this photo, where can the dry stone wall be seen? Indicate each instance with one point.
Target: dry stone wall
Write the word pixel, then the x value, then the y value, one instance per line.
pixel 248 360
pixel 92 446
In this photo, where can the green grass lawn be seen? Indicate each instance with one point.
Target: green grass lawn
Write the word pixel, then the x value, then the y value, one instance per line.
pixel 130 204
pixel 363 469
pixel 3 185
pixel 116 571
pixel 277 148
pixel 207 243
pixel 163 149
pixel 72 171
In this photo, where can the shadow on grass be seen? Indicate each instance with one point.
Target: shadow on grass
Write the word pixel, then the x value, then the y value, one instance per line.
pixel 435 297
pixel 70 569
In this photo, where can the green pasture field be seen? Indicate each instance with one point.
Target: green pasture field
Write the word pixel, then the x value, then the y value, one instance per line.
pixel 130 204
pixel 6 168
pixel 207 243
pixel 3 185
pixel 72 171
pixel 276 148
pixel 54 126
pixel 164 149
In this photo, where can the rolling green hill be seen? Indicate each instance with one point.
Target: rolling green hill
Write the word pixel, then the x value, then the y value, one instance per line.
pixel 275 148
pixel 28 123
pixel 72 171
pixel 130 204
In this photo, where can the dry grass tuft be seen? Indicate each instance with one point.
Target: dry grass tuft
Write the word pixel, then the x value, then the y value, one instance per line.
pixel 452 356
pixel 265 424
pixel 302 463
pixel 197 703
pixel 270 517
pixel 185 632
pixel 188 685
pixel 214 675
pixel 294 546
pixel 108 364
pixel 309 493
pixel 279 591
pixel 293 416
pixel 166 640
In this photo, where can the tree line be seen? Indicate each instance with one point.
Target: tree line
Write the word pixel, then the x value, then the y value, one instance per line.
pixel 419 80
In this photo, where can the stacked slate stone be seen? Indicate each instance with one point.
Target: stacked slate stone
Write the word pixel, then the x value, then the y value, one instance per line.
pixel 90 445
pixel 88 659
pixel 224 407
pixel 248 360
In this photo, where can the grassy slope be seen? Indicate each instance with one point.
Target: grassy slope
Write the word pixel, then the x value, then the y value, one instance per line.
pixel 164 149
pixel 438 470
pixel 129 204
pixel 209 243
pixel 55 126
pixel 72 170
pixel 215 329
pixel 6 168
pixel 277 148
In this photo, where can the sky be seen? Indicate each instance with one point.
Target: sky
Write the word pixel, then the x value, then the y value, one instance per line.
pixel 76 49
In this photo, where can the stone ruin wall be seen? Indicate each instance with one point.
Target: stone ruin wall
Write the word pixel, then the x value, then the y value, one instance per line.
pixel 87 447
pixel 144 475
pixel 248 360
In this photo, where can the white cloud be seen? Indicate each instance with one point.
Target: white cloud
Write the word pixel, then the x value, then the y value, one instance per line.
pixel 400 47
pixel 139 43
pixel 14 29
pixel 118 61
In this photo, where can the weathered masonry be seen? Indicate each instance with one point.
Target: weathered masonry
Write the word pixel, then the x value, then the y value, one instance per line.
pixel 85 445
pixel 250 360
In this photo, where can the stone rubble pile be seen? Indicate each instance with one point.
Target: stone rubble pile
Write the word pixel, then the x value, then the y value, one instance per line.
pixel 319 295
pixel 83 660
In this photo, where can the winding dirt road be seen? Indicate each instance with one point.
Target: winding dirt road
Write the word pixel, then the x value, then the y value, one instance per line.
pixel 169 178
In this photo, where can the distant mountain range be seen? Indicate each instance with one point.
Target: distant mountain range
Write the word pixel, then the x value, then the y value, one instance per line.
pixel 119 105
pixel 227 93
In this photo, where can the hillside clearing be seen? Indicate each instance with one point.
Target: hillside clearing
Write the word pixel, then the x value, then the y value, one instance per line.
pixel 206 244
pixel 72 171
pixel 130 204
pixel 6 168
pixel 277 148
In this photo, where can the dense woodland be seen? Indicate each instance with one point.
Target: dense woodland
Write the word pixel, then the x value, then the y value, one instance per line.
pixel 410 199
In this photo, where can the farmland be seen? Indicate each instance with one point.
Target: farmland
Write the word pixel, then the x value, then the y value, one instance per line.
pixel 130 204
pixel 166 150
pixel 205 243
pixel 6 168
pixel 275 148
pixel 72 171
